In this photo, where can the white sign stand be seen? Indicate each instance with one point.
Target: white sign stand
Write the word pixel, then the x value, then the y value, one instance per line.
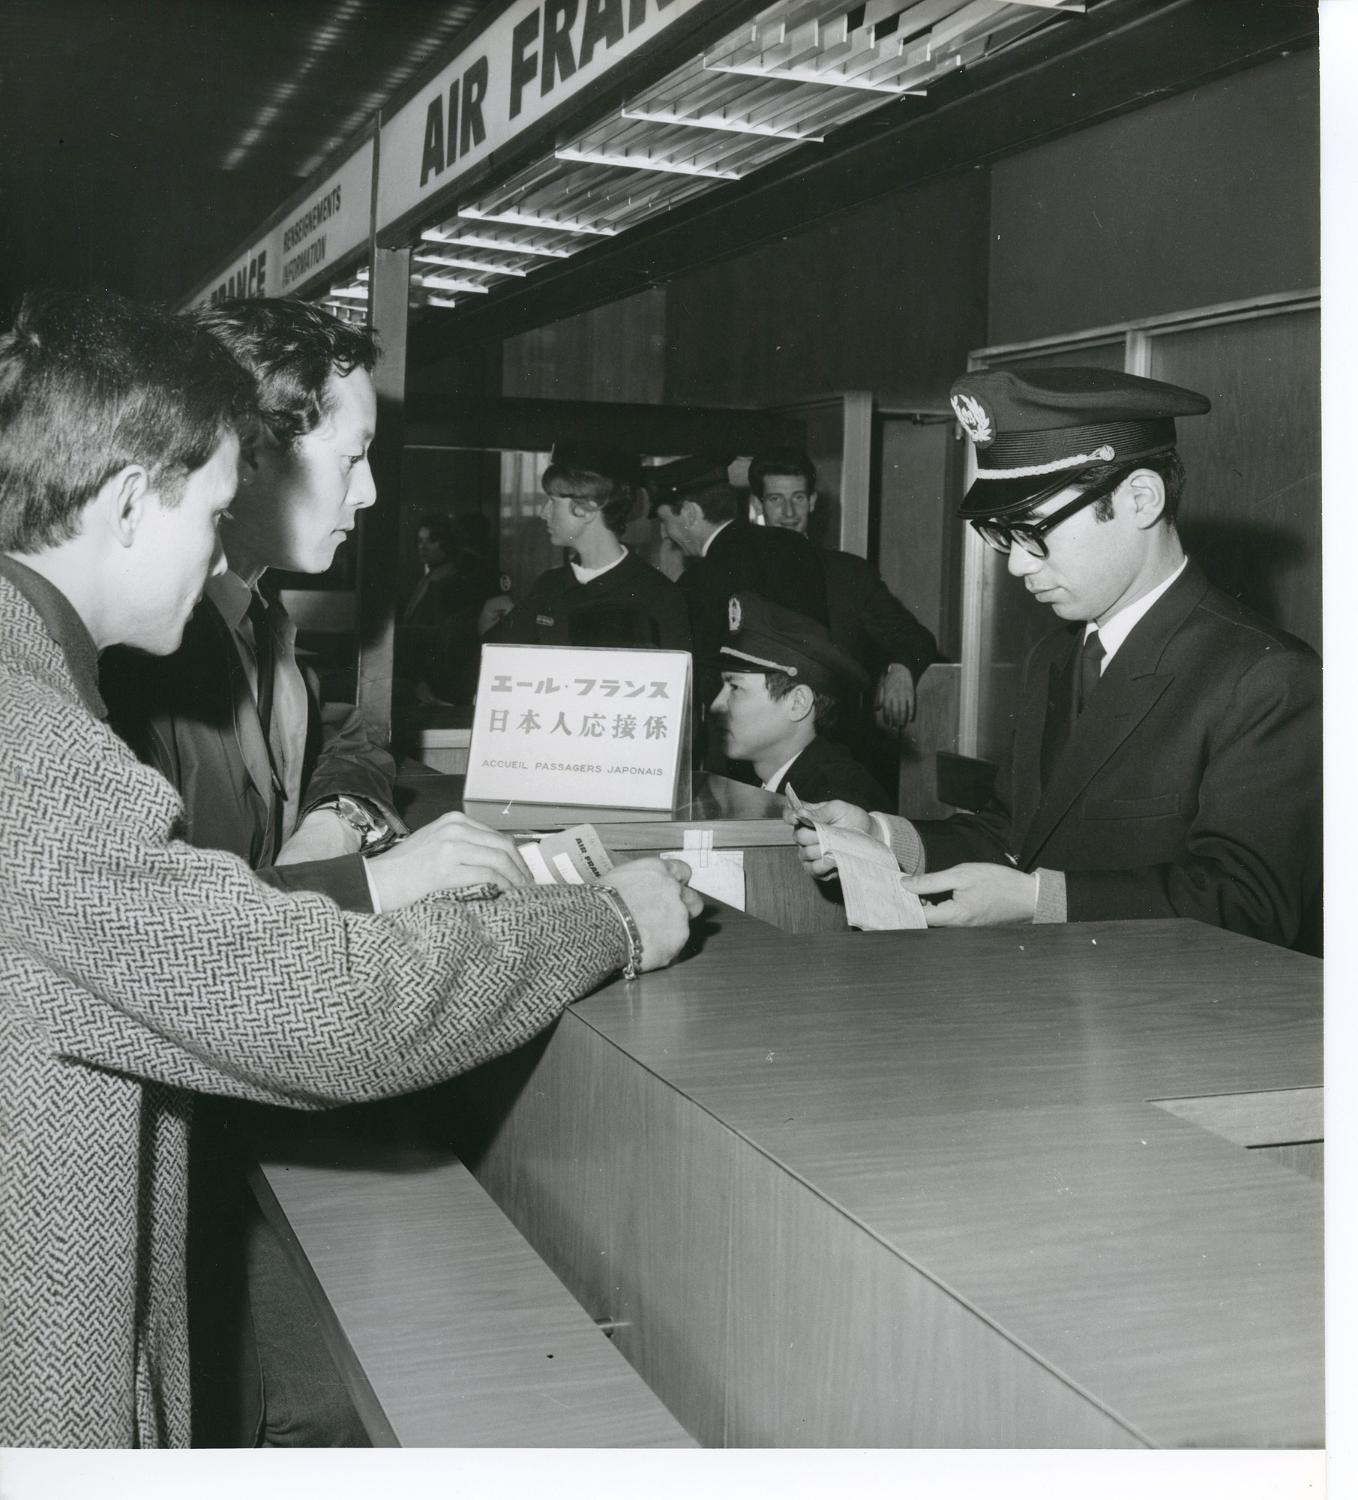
pixel 582 727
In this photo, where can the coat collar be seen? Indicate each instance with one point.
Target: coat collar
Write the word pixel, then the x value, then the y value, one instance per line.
pixel 244 729
pixel 1130 688
pixel 66 628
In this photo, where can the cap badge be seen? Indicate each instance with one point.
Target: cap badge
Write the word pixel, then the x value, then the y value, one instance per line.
pixel 733 613
pixel 974 418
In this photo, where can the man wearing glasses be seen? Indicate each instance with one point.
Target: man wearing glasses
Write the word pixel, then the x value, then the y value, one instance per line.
pixel 1166 758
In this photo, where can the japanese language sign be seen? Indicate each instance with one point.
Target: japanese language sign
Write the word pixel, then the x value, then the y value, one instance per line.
pixel 579 727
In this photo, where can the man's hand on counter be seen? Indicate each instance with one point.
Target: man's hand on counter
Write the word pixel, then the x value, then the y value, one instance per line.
pixel 832 814
pixel 452 851
pixel 656 893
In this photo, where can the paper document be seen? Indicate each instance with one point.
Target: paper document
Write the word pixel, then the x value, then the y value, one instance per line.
pixel 719 873
pixel 575 856
pixel 875 899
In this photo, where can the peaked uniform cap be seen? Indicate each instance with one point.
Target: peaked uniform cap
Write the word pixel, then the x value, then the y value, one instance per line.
pixel 1037 431
pixel 671 483
pixel 765 637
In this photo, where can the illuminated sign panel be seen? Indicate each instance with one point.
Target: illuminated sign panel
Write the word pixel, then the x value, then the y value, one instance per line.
pixel 534 56
pixel 312 234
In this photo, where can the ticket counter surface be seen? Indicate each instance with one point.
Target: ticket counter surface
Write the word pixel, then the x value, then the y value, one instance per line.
pixel 1018 1187
pixel 736 816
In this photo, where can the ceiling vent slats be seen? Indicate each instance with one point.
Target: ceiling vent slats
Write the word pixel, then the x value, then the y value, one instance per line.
pixel 800 70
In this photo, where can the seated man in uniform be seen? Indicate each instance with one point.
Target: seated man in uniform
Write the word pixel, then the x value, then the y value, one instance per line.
pixel 139 970
pixel 603 595
pixel 1166 758
pixel 783 681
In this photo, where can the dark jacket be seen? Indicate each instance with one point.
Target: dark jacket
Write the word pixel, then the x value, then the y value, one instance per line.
pixel 825 771
pixel 1190 786
pixel 763 560
pixel 633 604
pixel 869 622
pixel 192 715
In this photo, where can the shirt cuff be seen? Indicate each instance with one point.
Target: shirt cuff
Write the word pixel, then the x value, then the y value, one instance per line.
pixel 372 886
pixel 1051 896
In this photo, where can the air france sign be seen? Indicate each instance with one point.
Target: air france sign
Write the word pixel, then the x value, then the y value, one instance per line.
pixel 533 57
pixel 309 237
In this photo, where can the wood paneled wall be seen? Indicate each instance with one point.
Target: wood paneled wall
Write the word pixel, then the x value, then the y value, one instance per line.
pixel 1206 197
pixel 614 353
pixel 887 297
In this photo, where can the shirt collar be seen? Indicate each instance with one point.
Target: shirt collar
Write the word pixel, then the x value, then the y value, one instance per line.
pixel 586 575
pixel 770 783
pixel 1116 630
pixel 231 595
pixel 64 625
pixel 712 537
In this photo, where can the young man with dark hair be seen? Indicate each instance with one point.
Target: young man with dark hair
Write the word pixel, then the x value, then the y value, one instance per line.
pixel 139 970
pixel 1166 758
pixel 783 683
pixel 866 619
pixel 604 594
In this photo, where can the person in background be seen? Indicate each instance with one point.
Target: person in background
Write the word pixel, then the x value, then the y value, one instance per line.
pixel 1166 757
pixel 866 618
pixel 783 681
pixel 701 513
pixel 437 641
pixel 141 971
pixel 603 594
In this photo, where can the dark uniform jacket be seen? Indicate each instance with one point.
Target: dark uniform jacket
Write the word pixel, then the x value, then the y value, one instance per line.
pixel 632 604
pixel 1190 786
pixel 193 716
pixel 760 559
pixel 826 770
pixel 868 621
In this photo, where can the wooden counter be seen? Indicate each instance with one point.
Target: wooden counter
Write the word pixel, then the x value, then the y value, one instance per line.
pixel 920 1189
pixel 738 817
pixel 1019 1187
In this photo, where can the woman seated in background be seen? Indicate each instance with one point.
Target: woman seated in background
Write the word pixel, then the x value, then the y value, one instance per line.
pixel 603 595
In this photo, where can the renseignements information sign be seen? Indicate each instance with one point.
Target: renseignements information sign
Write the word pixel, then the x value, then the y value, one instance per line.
pixel 579 727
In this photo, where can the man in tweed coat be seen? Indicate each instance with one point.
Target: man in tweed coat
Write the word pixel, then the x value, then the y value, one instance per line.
pixel 135 969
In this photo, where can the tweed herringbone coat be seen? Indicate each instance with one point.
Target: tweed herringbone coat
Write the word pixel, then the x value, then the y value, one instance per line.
pixel 135 970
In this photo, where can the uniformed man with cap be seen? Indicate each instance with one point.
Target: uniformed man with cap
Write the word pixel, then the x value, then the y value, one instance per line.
pixel 703 514
pixel 783 681
pixel 1166 758
pixel 603 595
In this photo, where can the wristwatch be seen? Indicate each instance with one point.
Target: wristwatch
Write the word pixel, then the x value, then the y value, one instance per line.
pixel 374 831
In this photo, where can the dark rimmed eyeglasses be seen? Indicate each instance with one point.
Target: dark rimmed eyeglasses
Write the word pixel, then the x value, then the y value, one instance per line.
pixel 1031 536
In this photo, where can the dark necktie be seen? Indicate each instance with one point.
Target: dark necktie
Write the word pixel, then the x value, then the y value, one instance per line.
pixel 1088 671
pixel 264 661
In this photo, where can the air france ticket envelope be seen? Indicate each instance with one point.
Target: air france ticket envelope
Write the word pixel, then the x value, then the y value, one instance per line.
pixel 875 898
pixel 575 856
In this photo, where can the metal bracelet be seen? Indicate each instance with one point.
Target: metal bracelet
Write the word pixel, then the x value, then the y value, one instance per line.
pixel 634 949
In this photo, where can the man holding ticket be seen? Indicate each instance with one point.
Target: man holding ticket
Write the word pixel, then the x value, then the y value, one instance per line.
pixel 1166 758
